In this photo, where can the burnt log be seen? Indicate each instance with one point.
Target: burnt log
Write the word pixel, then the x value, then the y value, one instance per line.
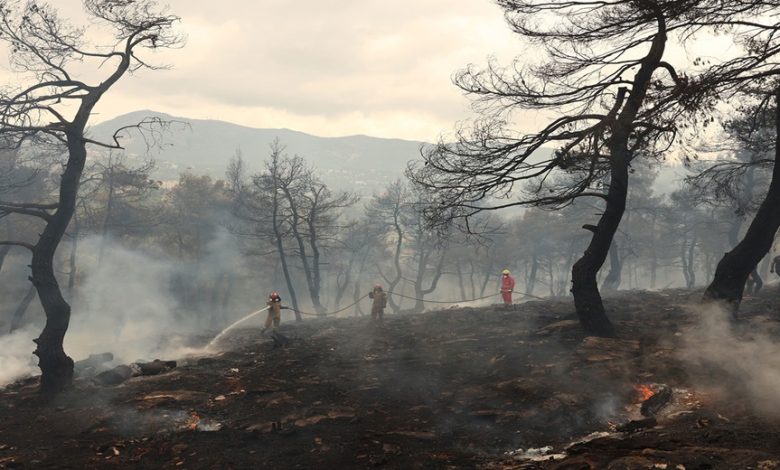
pixel 115 376
pixel 280 340
pixel 94 360
pixel 155 367
pixel 89 365
pixel 637 425
pixel 655 403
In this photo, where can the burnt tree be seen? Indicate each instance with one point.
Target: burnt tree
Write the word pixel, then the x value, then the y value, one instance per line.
pixel 55 108
pixel 733 269
pixel 604 71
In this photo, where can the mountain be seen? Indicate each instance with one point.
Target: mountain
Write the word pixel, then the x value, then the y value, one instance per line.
pixel 358 163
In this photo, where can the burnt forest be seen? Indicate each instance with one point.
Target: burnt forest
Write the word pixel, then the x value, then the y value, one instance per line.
pixel 497 234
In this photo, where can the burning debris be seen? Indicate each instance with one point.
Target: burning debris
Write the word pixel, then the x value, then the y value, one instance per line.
pixel 657 399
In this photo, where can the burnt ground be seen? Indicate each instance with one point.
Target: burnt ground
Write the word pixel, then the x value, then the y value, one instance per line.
pixel 455 388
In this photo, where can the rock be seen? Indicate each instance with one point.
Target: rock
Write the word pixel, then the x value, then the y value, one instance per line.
pixel 115 376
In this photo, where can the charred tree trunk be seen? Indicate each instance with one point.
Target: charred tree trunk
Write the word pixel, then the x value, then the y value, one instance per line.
pixel 419 291
pixel 107 215
pixel 690 264
pixel 314 293
pixel 551 272
pixel 356 299
pixel 587 299
pixel 733 269
pixel 6 248
pixel 529 288
pixel 3 253
pixel 16 320
pixel 486 279
pixel 392 283
pixel 56 366
pixel 72 269
pixel 471 280
pixel 653 253
pixel 279 240
pixel 461 285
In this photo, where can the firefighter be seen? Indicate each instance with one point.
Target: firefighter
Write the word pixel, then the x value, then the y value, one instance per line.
pixel 274 311
pixel 775 266
pixel 754 282
pixel 507 286
pixel 379 302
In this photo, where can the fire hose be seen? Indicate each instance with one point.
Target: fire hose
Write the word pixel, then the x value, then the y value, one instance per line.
pixel 324 314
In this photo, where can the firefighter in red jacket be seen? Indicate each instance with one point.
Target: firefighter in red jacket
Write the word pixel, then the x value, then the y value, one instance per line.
pixel 507 286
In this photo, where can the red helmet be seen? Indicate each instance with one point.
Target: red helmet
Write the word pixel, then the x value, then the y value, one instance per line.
pixel 274 296
pixel 378 286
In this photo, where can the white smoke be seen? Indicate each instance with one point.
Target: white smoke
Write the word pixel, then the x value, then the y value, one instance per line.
pixel 125 307
pixel 743 357
pixel 16 358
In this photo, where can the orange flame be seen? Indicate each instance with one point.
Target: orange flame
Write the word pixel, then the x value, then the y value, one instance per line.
pixel 644 391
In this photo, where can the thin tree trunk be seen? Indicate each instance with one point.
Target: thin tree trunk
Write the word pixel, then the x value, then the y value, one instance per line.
pixel 356 298
pixel 419 291
pixel 461 285
pixel 6 248
pixel 396 260
pixel 486 279
pixel 72 268
pixel 107 216
pixel 278 238
pixel 691 265
pixel 529 288
pixel 3 253
pixel 16 320
pixel 314 293
pixel 471 280
pixel 612 281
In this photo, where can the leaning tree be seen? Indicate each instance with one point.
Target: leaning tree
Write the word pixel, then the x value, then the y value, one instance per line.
pixel 604 76
pixel 54 108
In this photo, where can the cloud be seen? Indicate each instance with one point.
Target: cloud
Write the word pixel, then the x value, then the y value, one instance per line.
pixel 316 66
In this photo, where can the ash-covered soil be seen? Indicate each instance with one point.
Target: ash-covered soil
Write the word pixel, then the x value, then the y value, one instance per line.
pixel 456 388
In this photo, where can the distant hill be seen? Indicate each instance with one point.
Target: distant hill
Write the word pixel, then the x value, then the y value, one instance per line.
pixel 359 162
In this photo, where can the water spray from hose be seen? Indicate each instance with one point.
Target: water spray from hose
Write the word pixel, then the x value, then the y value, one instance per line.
pixel 223 332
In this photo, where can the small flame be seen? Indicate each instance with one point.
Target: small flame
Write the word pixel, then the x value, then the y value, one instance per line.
pixel 645 391
pixel 192 423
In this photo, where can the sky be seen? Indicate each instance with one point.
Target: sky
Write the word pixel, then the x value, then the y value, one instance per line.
pixel 324 67
pixel 327 67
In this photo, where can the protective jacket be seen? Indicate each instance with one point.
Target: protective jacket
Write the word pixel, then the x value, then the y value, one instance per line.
pixel 507 283
pixel 507 286
pixel 380 302
pixel 274 312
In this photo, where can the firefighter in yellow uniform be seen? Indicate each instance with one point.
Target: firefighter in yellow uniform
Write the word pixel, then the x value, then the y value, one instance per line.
pixel 274 311
pixel 380 302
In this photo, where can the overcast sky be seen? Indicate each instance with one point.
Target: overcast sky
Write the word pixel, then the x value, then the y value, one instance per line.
pixel 327 67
